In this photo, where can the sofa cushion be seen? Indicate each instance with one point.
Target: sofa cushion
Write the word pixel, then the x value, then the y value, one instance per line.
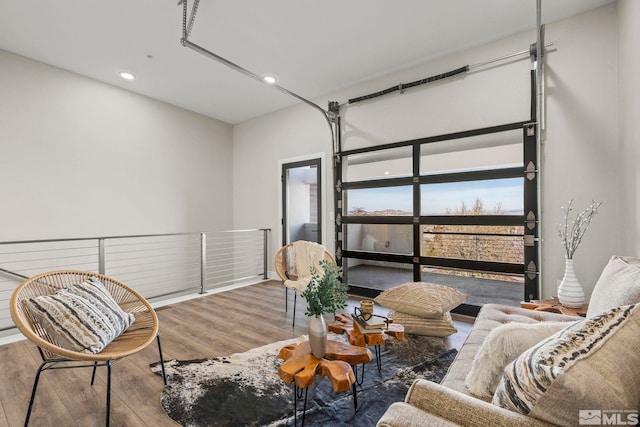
pixel 592 364
pixel 619 284
pixel 440 326
pixel 490 317
pixel 421 299
pixel 83 317
pixel 503 344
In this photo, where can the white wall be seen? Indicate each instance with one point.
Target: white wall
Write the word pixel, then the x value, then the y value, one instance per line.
pixel 581 141
pixel 258 145
pixel 629 110
pixel 80 158
pixel 580 152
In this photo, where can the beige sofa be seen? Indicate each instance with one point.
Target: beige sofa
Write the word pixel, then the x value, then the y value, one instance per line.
pixel 451 403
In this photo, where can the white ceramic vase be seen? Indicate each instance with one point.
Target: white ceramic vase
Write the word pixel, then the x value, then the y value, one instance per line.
pixel 570 292
pixel 318 336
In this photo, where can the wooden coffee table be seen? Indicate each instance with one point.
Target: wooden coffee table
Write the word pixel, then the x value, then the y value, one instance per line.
pixel 300 367
pixel 344 324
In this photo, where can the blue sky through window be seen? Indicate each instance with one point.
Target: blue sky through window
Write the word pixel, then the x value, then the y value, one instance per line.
pixel 437 198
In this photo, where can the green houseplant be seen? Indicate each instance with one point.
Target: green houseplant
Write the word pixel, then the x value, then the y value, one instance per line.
pixel 325 294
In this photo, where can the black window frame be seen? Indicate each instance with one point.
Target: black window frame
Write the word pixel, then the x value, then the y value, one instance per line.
pixel 528 219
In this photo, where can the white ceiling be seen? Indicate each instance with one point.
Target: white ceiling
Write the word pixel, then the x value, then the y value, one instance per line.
pixel 314 47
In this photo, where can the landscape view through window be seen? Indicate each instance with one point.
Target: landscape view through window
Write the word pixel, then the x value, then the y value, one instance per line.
pixel 493 243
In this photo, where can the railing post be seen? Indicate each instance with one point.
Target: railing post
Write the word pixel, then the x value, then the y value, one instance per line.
pixel 101 266
pixel 203 261
pixel 265 241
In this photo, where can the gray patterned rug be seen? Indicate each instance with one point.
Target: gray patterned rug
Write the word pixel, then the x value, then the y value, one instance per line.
pixel 244 389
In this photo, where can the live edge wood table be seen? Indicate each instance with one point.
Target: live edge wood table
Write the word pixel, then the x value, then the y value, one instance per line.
pixel 301 367
pixel 344 324
pixel 553 305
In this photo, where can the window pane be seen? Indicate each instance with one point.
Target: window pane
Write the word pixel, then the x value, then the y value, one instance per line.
pixel 391 163
pixel 384 201
pixel 376 274
pixel 384 238
pixel 488 197
pixel 480 288
pixel 493 151
pixel 494 243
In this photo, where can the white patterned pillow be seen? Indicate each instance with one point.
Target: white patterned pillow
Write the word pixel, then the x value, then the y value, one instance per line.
pixel 421 299
pixel 82 317
pixel 594 363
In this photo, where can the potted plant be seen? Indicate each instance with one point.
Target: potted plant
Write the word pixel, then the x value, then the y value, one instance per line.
pixel 325 294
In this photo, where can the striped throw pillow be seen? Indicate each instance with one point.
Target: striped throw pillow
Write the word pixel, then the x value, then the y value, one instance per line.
pixel 83 317
pixel 567 364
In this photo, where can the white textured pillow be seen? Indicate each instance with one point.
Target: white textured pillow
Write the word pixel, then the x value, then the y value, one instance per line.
pixel 441 326
pixel 619 284
pixel 421 299
pixel 503 344
pixel 82 317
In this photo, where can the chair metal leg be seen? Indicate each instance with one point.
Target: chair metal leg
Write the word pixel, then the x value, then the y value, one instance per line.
pixel 33 392
pixel 93 375
pixel 108 390
pixel 164 374
pixel 286 300
pixel 295 300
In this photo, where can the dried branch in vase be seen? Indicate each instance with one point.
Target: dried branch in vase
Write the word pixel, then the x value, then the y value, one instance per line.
pixel 572 231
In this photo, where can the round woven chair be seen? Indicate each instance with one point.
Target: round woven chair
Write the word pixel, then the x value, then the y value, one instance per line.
pixel 138 336
pixel 286 272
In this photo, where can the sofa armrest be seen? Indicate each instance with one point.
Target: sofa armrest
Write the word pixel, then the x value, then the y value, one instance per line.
pixel 459 408
pixel 401 414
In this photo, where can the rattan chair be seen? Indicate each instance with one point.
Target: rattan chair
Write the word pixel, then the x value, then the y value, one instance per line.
pixel 138 336
pixel 283 270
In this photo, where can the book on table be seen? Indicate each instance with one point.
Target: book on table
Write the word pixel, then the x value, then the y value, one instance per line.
pixel 374 322
pixel 364 330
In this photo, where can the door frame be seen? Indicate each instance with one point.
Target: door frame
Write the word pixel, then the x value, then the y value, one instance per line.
pixel 321 191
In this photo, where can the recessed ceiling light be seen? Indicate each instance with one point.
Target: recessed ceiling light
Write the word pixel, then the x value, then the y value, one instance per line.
pixel 127 76
pixel 270 79
pixel 386 173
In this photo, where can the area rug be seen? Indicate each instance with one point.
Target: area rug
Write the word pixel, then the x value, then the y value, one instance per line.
pixel 244 389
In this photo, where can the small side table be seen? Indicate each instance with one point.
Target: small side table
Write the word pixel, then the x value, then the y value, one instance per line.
pixel 344 324
pixel 300 367
pixel 553 305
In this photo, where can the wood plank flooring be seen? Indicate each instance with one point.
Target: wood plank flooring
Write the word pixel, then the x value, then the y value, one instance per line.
pixel 213 325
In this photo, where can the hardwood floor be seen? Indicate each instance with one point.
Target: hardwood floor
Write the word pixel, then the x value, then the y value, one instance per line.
pixel 213 325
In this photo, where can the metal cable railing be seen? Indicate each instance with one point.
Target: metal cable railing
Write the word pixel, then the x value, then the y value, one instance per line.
pixel 157 266
pixel 498 247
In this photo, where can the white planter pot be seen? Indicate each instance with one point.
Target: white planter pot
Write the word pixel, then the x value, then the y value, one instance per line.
pixel 318 336
pixel 570 292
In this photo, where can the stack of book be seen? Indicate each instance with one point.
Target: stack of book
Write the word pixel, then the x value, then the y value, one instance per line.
pixel 374 325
